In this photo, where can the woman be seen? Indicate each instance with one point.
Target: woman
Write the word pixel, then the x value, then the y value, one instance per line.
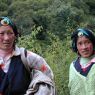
pixel 82 70
pixel 14 77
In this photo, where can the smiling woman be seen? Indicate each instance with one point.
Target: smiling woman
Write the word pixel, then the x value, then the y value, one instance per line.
pixel 84 46
pixel 82 69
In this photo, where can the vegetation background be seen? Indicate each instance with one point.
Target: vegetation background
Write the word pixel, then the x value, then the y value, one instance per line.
pixel 46 26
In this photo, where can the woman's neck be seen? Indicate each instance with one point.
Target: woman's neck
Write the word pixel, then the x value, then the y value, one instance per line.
pixel 4 53
pixel 85 61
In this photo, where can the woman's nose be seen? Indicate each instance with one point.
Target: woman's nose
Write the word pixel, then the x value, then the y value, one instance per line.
pixel 84 46
pixel 6 36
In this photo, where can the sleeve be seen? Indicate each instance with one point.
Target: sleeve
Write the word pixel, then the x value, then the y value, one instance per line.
pixel 41 85
pixel 42 82
pixel 38 63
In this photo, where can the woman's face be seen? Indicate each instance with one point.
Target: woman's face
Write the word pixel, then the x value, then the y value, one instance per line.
pixel 7 37
pixel 84 46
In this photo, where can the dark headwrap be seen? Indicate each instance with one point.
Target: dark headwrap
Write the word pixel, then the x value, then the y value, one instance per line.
pixel 81 32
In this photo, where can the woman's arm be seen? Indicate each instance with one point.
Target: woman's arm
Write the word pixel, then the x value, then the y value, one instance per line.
pixel 38 63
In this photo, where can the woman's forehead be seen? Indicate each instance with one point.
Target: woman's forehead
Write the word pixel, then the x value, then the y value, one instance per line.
pixel 82 38
pixel 2 28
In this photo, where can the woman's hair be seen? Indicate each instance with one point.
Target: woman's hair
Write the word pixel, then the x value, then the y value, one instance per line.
pixel 81 32
pixel 4 21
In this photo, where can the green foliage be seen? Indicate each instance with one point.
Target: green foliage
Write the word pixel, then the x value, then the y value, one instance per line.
pixel 3 6
pixel 55 16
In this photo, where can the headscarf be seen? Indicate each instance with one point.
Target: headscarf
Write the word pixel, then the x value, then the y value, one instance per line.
pixel 4 21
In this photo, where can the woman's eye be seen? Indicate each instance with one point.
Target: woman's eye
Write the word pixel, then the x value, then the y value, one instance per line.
pixel 9 32
pixel 88 42
pixel 80 43
pixel 1 33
